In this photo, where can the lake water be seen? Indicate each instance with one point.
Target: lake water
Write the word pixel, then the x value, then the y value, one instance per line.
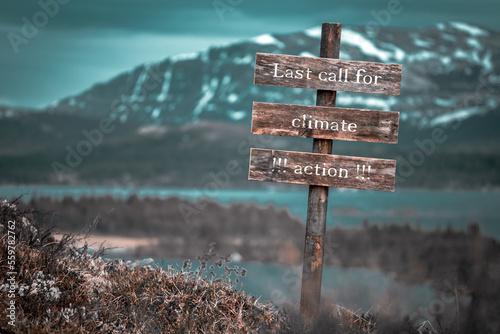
pixel 430 209
pixel 356 289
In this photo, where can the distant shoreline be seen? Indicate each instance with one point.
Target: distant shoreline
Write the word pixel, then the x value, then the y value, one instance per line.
pixel 429 209
pixel 100 190
pixel 113 242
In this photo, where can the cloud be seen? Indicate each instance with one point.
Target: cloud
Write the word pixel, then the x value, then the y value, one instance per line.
pixel 128 15
pixel 92 40
pixel 57 63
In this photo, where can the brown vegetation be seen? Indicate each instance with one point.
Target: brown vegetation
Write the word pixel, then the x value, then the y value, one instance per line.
pixel 463 267
pixel 59 288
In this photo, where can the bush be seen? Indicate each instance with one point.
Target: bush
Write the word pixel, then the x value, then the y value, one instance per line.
pixel 60 288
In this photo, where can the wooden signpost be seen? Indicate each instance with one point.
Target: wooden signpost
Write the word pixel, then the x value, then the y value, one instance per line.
pixel 327 74
pixel 322 170
pixel 323 122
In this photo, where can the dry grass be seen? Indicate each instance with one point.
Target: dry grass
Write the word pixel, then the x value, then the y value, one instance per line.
pixel 61 288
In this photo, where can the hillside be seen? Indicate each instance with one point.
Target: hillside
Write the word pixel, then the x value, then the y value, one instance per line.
pixel 36 148
pixel 61 288
pixel 449 72
pixel 461 266
pixel 172 122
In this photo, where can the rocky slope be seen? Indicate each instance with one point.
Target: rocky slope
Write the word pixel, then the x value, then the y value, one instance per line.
pixel 450 71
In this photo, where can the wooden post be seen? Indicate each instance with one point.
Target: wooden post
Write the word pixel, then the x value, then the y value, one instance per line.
pixel 296 167
pixel 312 271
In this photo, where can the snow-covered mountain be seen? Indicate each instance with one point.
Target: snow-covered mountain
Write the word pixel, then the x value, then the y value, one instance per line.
pixel 450 71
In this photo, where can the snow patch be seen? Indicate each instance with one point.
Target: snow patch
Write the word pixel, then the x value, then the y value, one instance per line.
pixel 421 56
pixel 205 57
pixel 237 115
pixel 487 62
pixel 232 98
pixel 456 116
pixel 444 102
pixel 445 60
pixel 306 54
pixel 356 39
pixel 449 37
pixel 473 55
pixel 474 43
pixel 313 32
pixel 166 85
pixel 54 103
pixel 267 39
pixel 474 31
pixel 226 80
pixel 137 93
pixel 184 56
pixel 248 59
pixel 399 54
pixel 420 42
pixel 156 113
pixel 460 54
pixel 208 92
pixel 344 55
pixel 371 102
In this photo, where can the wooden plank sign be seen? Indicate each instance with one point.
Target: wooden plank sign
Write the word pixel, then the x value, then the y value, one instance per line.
pixel 327 74
pixel 325 122
pixel 322 170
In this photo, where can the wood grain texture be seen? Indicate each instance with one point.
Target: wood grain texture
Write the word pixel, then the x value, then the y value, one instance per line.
pixel 388 83
pixel 288 120
pixel 380 177
pixel 317 203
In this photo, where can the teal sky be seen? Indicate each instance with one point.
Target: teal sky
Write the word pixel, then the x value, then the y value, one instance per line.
pixel 81 42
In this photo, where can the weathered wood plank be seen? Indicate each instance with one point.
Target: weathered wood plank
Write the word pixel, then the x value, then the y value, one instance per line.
pixel 322 170
pixel 327 74
pixel 325 123
pixel 317 203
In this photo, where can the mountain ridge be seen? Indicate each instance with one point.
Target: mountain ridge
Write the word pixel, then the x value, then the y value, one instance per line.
pixel 443 66
pixel 178 120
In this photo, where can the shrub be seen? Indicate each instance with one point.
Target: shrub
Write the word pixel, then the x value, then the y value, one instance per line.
pixel 60 288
